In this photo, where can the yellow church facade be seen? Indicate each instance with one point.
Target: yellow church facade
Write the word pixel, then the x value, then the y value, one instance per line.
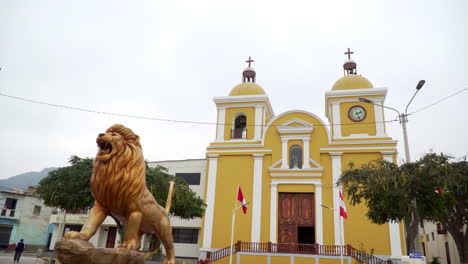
pixel 288 164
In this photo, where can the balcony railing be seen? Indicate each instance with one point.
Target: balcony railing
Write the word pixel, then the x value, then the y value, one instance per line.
pixel 292 248
pixel 239 133
pixel 8 212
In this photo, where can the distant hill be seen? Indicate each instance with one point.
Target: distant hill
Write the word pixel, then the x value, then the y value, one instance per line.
pixel 22 181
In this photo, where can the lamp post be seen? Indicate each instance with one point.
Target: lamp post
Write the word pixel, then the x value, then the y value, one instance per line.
pixel 403 120
pixel 402 116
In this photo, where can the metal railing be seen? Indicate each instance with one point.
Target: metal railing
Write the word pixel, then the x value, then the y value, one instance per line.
pixel 293 248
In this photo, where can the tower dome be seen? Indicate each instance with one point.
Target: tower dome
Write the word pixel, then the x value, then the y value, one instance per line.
pixel 248 85
pixel 351 80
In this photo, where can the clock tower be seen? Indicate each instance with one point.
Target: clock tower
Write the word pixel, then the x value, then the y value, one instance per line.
pixel 349 117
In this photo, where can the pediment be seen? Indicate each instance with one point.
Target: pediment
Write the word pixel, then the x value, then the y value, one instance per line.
pixel 313 166
pixel 295 125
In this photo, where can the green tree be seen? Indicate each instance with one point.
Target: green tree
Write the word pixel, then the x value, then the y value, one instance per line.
pixel 407 193
pixel 68 188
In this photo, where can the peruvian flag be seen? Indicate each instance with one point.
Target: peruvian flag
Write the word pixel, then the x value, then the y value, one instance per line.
pixel 342 207
pixel 240 198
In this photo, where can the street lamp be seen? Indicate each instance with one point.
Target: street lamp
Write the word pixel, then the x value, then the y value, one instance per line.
pixel 403 120
pixel 402 116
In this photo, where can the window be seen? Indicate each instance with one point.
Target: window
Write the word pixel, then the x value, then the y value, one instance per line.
pixel 433 236
pixel 69 228
pixel 37 210
pixel 185 235
pixel 190 178
pixel 295 157
pixel 10 204
pixel 240 130
pixel 441 229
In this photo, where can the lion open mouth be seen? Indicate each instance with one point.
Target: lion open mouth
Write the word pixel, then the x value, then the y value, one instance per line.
pixel 104 147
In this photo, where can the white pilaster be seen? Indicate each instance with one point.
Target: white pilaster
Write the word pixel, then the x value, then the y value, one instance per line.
pixel 273 212
pixel 258 122
pixel 379 119
pixel 221 123
pixel 210 200
pixel 284 153
pixel 257 197
pixel 336 173
pixel 318 213
pixel 393 227
pixel 305 163
pixel 336 119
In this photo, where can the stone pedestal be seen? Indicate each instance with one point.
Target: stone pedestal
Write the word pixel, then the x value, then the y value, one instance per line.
pixel 77 251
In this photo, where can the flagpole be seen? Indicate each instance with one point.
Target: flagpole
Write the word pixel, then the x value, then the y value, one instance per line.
pixel 233 223
pixel 341 238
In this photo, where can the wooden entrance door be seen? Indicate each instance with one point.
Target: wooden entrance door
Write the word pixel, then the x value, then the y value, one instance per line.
pixel 111 235
pixel 295 210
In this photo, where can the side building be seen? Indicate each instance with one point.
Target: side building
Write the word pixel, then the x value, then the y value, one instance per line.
pixel 186 232
pixel 24 216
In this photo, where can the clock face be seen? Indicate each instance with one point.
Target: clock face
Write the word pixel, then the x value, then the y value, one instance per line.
pixel 357 113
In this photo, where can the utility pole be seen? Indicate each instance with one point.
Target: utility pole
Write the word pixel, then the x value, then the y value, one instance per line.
pixel 403 117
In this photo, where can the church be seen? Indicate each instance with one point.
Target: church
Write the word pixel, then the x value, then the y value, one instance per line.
pixel 287 165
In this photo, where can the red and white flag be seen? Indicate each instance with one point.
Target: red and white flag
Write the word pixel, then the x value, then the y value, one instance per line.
pixel 240 198
pixel 342 207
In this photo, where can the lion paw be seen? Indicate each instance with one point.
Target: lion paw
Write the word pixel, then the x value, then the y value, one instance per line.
pixel 168 261
pixel 74 234
pixel 130 244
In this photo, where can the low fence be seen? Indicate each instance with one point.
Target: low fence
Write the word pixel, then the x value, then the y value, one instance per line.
pixel 292 248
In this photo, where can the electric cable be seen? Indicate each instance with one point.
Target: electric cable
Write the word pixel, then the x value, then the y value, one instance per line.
pixel 163 119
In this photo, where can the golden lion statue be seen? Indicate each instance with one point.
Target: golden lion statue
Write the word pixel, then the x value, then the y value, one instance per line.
pixel 118 185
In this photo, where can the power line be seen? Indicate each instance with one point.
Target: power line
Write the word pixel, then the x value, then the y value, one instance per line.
pixel 441 100
pixel 160 119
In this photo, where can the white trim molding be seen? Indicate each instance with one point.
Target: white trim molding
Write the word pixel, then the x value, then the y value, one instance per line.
pixel 318 167
pixel 336 173
pixel 304 128
pixel 237 150
pixel 356 92
pixel 295 174
pixel 357 148
pixel 393 227
pixel 274 206
pixel 257 197
pixel 221 123
pixel 210 200
pixel 258 122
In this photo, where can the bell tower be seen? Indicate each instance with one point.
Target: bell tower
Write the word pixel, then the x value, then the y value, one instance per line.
pixel 349 117
pixel 243 115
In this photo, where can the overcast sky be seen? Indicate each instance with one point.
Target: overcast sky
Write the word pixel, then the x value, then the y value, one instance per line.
pixel 168 59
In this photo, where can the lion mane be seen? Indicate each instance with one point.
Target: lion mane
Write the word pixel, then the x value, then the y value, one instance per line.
pixel 122 179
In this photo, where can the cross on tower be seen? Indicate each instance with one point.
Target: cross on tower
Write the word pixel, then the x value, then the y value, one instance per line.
pixel 349 53
pixel 249 61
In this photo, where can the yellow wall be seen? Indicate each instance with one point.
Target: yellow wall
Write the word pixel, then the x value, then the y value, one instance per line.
pixel 280 259
pixel 358 230
pixel 232 171
pixel 366 126
pixel 253 259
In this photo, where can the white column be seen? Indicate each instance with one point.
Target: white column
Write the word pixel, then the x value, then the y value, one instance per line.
pixel 221 123
pixel 379 119
pixel 210 200
pixel 305 163
pixel 393 227
pixel 284 153
pixel 318 213
pixel 336 173
pixel 273 212
pixel 258 122
pixel 257 197
pixel 336 120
